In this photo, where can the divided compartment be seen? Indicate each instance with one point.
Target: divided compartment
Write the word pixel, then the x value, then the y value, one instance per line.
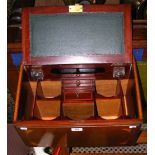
pixel 48 89
pixel 79 110
pixel 109 108
pixel 107 88
pixel 112 99
pixel 78 97
pixel 48 100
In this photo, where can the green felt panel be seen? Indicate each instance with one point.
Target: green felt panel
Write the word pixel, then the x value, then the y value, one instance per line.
pixel 76 34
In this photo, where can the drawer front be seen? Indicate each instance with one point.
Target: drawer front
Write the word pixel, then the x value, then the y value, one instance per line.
pixel 79 136
pixel 78 95
pixel 78 83
pixel 103 136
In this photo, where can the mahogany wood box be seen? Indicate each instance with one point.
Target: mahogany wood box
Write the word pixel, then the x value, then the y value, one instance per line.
pixel 78 83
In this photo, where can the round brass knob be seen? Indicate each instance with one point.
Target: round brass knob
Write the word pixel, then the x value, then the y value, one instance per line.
pixel 78 83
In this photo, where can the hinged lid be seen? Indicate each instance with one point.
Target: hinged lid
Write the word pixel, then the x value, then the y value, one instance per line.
pixel 95 34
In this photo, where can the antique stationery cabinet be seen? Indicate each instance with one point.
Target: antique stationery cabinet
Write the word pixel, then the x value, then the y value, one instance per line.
pixel 78 83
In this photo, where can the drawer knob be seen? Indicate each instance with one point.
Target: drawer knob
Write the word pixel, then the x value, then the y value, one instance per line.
pixel 77 94
pixel 78 83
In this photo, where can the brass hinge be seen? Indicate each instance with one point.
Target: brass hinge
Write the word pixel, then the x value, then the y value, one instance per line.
pixel 37 73
pixel 75 8
pixel 118 72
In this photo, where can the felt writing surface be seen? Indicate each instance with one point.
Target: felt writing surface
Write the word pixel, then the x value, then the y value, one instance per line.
pixel 76 34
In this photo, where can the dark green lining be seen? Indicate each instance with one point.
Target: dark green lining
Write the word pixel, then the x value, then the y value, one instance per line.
pixel 76 34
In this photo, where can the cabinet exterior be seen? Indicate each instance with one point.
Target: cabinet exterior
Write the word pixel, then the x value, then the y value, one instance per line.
pixel 83 90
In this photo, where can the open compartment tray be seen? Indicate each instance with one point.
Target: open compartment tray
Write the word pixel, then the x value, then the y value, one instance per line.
pixel 78 84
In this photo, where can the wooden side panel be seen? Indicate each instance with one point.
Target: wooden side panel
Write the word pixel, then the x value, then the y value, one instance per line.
pixel 18 94
pixel 82 136
pixel 29 100
pixel 137 89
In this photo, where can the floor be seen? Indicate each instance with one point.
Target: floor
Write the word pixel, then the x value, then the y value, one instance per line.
pixel 136 150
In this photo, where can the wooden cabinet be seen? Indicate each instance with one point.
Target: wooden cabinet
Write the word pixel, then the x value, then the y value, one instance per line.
pixel 80 99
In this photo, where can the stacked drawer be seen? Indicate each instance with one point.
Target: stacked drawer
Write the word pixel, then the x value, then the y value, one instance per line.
pixel 78 99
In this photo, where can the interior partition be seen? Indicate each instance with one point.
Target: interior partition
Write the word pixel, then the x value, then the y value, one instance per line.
pixel 103 99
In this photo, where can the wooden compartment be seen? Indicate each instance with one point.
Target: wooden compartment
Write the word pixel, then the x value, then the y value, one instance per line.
pixel 78 99
pixel 109 108
pixel 78 83
pixel 108 88
pixel 39 99
pixel 78 110
pixel 115 98
pixel 48 100
pixel 48 89
pixel 47 109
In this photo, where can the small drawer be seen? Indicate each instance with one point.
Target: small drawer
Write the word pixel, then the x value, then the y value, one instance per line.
pixel 78 95
pixel 78 83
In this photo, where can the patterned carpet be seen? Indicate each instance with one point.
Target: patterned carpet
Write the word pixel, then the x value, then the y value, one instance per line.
pixel 141 148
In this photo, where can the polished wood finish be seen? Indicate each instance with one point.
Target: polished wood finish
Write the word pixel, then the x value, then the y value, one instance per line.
pixel 48 89
pixel 89 126
pixel 138 95
pixel 25 35
pixel 29 101
pixel 107 88
pixel 78 110
pixel 89 136
pixel 126 57
pixel 47 109
pixel 18 94
pixel 139 40
pixel 106 72
pixel 79 118
pixel 109 108
pixel 78 99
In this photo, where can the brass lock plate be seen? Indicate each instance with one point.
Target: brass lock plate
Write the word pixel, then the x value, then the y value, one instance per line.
pixel 75 8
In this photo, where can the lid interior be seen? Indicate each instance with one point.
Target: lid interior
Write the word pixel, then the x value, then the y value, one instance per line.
pixel 76 34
